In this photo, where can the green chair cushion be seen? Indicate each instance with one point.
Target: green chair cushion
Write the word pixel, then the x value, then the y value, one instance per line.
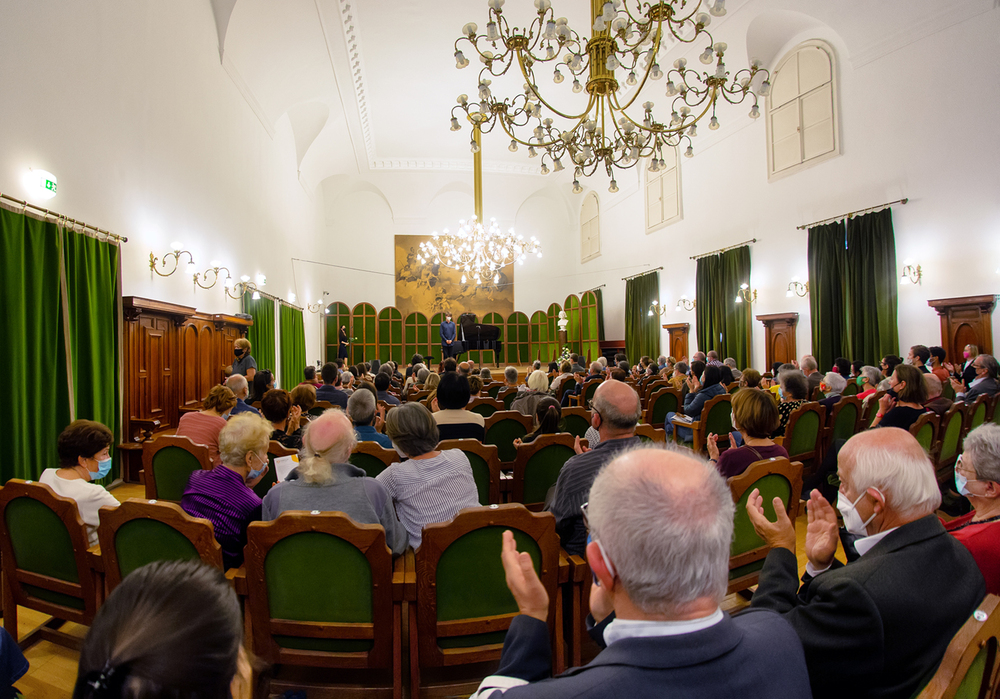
pixel 666 403
pixel 770 486
pixel 972 683
pixel 978 417
pixel 925 436
pixel 502 434
pixel 372 465
pixel 508 400
pixel 805 434
pixel 847 418
pixel 542 470
pixel 718 420
pixel 481 474
pixel 952 433
pixel 576 425
pixel 40 540
pixel 142 541
pixel 172 468
pixel 484 409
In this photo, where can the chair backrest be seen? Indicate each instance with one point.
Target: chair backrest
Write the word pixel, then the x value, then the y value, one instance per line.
pixel 484 406
pixel 485 462
pixel 652 387
pixel 817 394
pixel 716 416
pixel 537 467
pixel 416 396
pixel 463 607
pixel 733 387
pixel 650 434
pixel 976 412
pixel 372 457
pixel 589 387
pixel 507 396
pixel 950 438
pixel 925 429
pixel 947 390
pixel 43 546
pixel 870 410
pixel 138 532
pixel 320 591
pixel 503 427
pixel 969 666
pixel 168 462
pixel 851 389
pixel 803 432
pixel 321 407
pixel 576 420
pixel 662 401
pixel 844 417
pixel 275 449
pixel 776 477
pixel 567 384
pixel 494 388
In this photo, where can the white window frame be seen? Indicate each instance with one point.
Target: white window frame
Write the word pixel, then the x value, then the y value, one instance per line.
pixel 590 229
pixel 834 80
pixel 656 178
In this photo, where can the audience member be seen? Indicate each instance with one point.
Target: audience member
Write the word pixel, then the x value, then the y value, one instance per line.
pixel 888 365
pixel 809 368
pixel 329 483
pixel 936 363
pixel 661 524
pixel 548 416
pixel 793 387
pixel 712 359
pixel 985 383
pixel 842 366
pixel 918 356
pixel 285 418
pixel 432 381
pixel 452 419
pixel 245 365
pixel 725 375
pixel 415 361
pixel 170 629
pixel 878 626
pixel 856 366
pixel 754 417
pixel 564 373
pixel 347 383
pixel 679 376
pixel 203 426
pixel 510 376
pixel 329 391
pixel 237 383
pixel 751 378
pixel 616 411
pixel 382 381
pixel 304 398
pixel 431 485
pixel 262 382
pixel 224 495
pixel 527 401
pixel 485 374
pixel 868 381
pixel 84 449
pixel 476 388
pixel 731 363
pixel 832 386
pixel 935 402
pixel 596 372
pixel 448 364
pixel 904 402
pixel 699 393
pixel 575 365
pixel 965 372
pixel 464 369
pixel 309 377
pixel 361 409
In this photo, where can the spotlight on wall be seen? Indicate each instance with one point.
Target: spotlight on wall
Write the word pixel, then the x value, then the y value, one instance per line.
pixel 41 184
pixel 797 288
pixel 746 294
pixel 911 274
pixel 683 303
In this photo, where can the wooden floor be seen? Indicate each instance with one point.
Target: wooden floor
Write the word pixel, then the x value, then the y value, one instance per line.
pixel 53 668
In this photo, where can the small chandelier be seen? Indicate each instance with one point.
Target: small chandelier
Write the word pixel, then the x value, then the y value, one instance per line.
pixel 625 40
pixel 478 249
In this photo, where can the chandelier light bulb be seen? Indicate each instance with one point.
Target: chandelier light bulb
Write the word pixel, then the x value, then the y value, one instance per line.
pixel 256 296
pixel 631 79
pixel 614 186
pixel 765 88
pixel 707 56
pixel 577 188
pixel 491 31
pixel 473 146
pixel 754 112
pixel 245 278
pixel 176 246
pixel 713 123
pixel 557 77
pixel 718 9
pixel 655 73
pixel 228 283
pixel 455 126
pixel 689 153
pixel 291 297
pixel 788 294
pixel 739 299
pixel 577 86
pixel 557 165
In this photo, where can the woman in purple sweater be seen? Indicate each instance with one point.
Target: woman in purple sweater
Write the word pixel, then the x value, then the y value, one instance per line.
pixel 755 417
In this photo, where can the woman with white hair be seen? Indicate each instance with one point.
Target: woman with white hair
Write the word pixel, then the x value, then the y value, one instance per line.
pixel 329 483
pixel 538 388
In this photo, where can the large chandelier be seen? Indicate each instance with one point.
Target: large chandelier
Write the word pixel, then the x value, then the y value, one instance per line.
pixel 479 250
pixel 626 42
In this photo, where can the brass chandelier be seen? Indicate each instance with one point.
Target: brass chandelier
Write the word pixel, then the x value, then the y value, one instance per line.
pixel 628 36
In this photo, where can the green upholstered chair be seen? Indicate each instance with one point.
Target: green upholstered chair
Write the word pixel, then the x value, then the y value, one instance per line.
pixel 648 389
pixel 777 477
pixel 323 592
pixel 802 435
pixel 975 413
pixel 969 666
pixel 662 401
pixel 462 607
pixel 994 415
pixel 568 384
pixel 716 418
pixel 537 467
pixel 138 532
pixel 949 443
pixel 485 406
pixel 587 392
pixel 275 450
pixel 168 462
pixel 494 388
pixel 649 434
pixel 46 563
pixel 576 420
pixel 373 458
pixel 503 427
pixel 321 407
pixel 925 429
pixel 485 462
pixel 870 410
pixel 507 396
pixel 947 390
pixel 851 389
pixel 842 421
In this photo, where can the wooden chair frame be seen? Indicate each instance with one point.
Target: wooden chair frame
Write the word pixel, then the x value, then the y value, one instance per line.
pixel 659 436
pixel 527 421
pixel 869 408
pixel 150 449
pixel 88 587
pixel 586 393
pixel 944 465
pixel 504 393
pixel 579 411
pixel 793 419
pixel 417 396
pixel 497 405
pixel 698 427
pixel 386 456
pixel 980 403
pixel 524 454
pixel 976 634
pixel 831 420
pixel 564 386
pixel 652 387
pixel 488 453
pixel 923 420
pixel 320 407
pixel 647 414
pixel 197 530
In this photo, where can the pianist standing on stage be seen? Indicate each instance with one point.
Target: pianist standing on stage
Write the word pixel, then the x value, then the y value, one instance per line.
pixel 448 337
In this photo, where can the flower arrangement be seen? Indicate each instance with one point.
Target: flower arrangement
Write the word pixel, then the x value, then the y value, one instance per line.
pixel 564 355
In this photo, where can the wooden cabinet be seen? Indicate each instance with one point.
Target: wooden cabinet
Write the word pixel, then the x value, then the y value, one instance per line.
pixel 966 320
pixel 779 337
pixel 678 342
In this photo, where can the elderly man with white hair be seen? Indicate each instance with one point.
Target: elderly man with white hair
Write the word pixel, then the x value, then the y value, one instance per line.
pixel 237 383
pixel 810 367
pixel 661 524
pixel 878 626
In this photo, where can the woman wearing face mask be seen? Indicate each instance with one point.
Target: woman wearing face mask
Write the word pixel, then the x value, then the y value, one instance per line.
pixel 244 364
pixel 755 417
pixel 965 372
pixel 904 402
pixel 84 456
pixel 262 382
pixel 204 426
pixel 224 495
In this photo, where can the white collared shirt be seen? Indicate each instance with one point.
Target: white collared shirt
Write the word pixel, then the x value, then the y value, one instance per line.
pixel 620 629
pixel 862 546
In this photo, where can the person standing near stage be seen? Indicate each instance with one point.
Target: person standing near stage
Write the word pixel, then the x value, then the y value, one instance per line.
pixel 448 337
pixel 344 342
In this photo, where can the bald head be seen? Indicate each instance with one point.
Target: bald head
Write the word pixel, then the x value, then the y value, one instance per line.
pixel 331 436
pixel 618 405
pixel 933 385
pixel 237 383
pixel 665 519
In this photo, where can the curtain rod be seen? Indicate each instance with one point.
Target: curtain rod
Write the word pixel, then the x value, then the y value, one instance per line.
pixel 272 297
pixel 641 274
pixel 593 289
pixel 45 212
pixel 731 247
pixel 851 213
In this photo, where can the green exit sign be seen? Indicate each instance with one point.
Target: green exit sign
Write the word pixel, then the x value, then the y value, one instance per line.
pixel 50 185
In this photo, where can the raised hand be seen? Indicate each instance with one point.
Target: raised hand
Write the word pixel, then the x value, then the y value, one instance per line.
pixel 522 580
pixel 579 448
pixel 821 532
pixel 712 442
pixel 778 534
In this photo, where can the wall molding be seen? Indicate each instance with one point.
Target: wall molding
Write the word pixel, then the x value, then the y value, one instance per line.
pixel 454 165
pixel 248 94
pixel 354 56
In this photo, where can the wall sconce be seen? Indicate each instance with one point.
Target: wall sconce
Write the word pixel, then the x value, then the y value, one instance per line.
pixel 797 288
pixel 746 294
pixel 214 271
pixel 911 275
pixel 175 255
pixel 656 308
pixel 683 304
pixel 314 307
pixel 236 291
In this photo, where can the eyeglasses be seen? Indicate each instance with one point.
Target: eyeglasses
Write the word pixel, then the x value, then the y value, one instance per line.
pixel 960 467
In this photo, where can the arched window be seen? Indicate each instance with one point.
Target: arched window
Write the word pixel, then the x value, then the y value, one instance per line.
pixel 663 192
pixel 590 228
pixel 802 110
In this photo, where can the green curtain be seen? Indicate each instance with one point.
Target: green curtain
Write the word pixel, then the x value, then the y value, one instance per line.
pixel 261 333
pixel 642 331
pixel 827 253
pixel 292 332
pixel 33 349
pixel 92 296
pixel 724 325
pixel 872 284
pixel 600 314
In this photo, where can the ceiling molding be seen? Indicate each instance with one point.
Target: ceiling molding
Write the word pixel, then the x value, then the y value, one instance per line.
pixel 453 165
pixel 353 43
pixel 247 93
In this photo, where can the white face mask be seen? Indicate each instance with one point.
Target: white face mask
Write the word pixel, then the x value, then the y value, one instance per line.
pixel 852 520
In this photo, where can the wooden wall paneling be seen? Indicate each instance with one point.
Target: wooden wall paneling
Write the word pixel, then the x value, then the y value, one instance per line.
pixel 572 308
pixel 390 335
pixel 539 335
pixel 364 327
pixel 518 343
pixel 416 336
pixel 779 337
pixel 498 320
pixel 966 320
pixel 590 333
pixel 553 318
pixel 677 342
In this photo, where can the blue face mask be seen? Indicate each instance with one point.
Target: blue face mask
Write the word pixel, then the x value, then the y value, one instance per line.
pixel 103 469
pixel 961 483
pixel 255 473
pixel 781 394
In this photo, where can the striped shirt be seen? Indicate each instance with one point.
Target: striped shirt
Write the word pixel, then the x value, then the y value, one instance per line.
pixel 223 498
pixel 430 490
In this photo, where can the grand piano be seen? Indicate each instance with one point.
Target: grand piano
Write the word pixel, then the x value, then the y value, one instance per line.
pixel 476 336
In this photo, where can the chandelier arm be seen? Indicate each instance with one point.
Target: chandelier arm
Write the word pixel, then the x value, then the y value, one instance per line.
pixel 650 130
pixel 535 92
pixel 528 143
pixel 645 76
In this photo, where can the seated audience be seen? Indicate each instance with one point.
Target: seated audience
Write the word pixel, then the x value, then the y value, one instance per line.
pixel 203 426
pixel 510 376
pixel 832 386
pixel 464 369
pixel 171 629
pixel 977 477
pixel 415 361
pixel 935 402
pixel 918 356
pixel 432 381
pixel 888 365
pixel 564 373
pixel 448 364
pixel 329 483
pixel 476 388
pixel 679 377
pixel 712 358
pixel 793 387
pixel 856 366
pixel 616 411
pixel 904 401
pixel 548 416
pixel 382 386
pixel 986 381
pixel 330 391
pixel 596 372
pixel 84 449
pixel 868 381
pixel 731 363
pixel 304 398
pixel 309 377
pixel 842 366
pixel 661 524
pixel 452 418
pixel 964 372
pixel 755 417
pixel 361 409
pixel 224 495
pixel 751 378
pixel 241 389
pixel 936 363
pixel 527 400
pixel 431 485
pixel 284 417
pixel 725 375
pixel 553 370
pixel 412 376
pixel 575 365
pixel 262 382
pixel 486 375
pixel 810 369
pixel 347 383
pixel 699 393
pixel 878 626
